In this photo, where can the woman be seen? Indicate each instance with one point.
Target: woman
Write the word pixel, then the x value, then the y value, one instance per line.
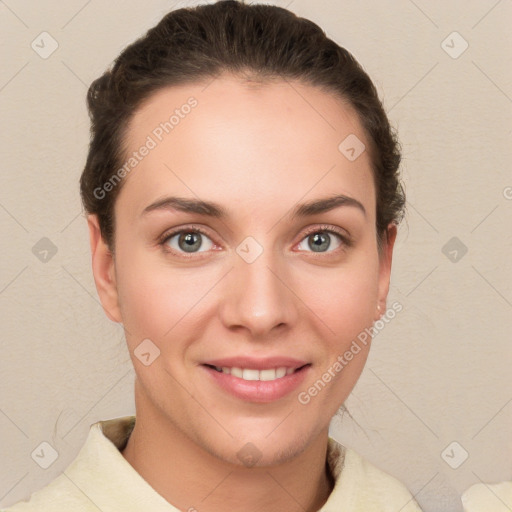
pixel 243 198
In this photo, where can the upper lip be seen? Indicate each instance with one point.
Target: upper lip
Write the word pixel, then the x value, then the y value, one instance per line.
pixel 257 363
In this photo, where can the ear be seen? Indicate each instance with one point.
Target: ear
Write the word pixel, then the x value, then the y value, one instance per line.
pixel 103 268
pixel 385 259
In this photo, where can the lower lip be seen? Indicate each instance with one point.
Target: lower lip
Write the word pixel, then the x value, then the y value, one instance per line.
pixel 258 390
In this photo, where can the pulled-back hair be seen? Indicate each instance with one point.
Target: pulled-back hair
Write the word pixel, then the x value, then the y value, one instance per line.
pixel 262 41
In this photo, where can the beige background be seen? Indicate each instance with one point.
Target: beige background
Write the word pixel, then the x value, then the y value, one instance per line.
pixel 438 373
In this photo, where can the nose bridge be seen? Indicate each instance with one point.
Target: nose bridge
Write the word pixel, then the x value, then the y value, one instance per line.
pixel 257 297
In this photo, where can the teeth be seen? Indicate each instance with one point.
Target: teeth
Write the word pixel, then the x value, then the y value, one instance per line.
pixel 248 374
pixel 237 372
pixel 252 374
pixel 269 374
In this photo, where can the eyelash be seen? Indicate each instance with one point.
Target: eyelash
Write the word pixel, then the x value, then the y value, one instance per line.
pixel 324 228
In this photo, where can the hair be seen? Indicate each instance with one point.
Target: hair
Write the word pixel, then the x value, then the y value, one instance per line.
pixel 267 42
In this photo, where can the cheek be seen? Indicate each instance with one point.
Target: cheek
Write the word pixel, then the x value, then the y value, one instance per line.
pixel 344 298
pixel 345 303
pixel 169 306
pixel 151 300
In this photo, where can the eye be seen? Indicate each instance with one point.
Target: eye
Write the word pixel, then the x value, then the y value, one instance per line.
pixel 319 239
pixel 187 241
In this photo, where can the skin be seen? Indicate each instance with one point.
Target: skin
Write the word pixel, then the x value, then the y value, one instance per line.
pixel 257 150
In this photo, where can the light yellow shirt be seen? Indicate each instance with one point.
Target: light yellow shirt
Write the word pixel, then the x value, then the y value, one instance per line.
pixel 101 479
pixel 488 498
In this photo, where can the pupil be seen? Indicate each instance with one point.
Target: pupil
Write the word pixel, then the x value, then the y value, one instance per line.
pixel 320 242
pixel 192 242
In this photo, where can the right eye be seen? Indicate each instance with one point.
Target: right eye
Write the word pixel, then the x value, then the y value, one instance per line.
pixel 186 241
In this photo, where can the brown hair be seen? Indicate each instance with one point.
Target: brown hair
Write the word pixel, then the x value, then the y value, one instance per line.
pixel 193 44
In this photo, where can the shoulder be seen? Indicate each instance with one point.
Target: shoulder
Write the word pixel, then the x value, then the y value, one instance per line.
pixel 484 497
pixel 60 494
pixel 360 486
pixel 82 486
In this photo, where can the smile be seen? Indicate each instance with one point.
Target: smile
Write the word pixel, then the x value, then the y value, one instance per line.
pixel 253 385
pixel 253 374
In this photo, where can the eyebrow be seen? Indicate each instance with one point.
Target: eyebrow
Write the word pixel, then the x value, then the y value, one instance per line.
pixel 211 209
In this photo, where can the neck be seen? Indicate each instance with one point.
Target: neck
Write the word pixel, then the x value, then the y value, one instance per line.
pixel 191 478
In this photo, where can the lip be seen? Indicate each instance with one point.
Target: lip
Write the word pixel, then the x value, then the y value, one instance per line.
pixel 258 391
pixel 257 363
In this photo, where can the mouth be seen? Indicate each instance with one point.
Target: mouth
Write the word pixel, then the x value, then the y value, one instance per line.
pixel 252 374
pixel 256 385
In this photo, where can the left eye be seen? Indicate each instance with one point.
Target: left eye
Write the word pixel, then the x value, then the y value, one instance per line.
pixel 320 241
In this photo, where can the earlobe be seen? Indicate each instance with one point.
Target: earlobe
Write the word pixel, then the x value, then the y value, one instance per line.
pixel 103 268
pixel 385 260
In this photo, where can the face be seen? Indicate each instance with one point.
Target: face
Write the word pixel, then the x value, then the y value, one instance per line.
pixel 256 282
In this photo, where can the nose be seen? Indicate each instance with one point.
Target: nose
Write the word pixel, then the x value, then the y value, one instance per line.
pixel 258 297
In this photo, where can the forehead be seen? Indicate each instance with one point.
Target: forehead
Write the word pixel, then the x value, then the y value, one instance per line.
pixel 256 144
